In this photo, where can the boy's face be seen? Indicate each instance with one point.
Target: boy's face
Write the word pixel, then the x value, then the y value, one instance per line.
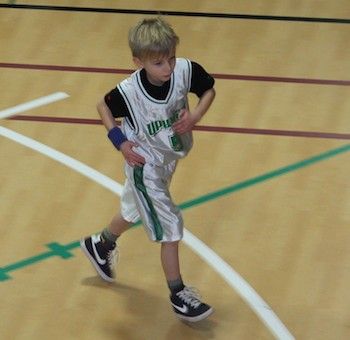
pixel 158 68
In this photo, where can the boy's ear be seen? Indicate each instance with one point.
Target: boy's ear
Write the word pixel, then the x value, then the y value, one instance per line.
pixel 138 62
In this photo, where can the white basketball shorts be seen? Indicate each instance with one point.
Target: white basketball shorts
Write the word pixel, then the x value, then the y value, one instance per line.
pixel 146 196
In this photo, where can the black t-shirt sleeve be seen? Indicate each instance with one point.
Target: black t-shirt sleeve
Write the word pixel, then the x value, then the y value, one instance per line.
pixel 116 103
pixel 201 81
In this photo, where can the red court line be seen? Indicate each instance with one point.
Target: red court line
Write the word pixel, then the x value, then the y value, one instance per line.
pixel 288 133
pixel 283 79
pixel 65 68
pixel 215 75
pixel 47 119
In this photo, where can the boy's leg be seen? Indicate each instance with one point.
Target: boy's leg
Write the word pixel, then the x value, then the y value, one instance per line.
pixel 101 249
pixel 171 265
pixel 185 301
pixel 163 222
pixel 116 227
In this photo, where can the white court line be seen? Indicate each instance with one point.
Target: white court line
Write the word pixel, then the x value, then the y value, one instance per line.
pixel 63 159
pixel 32 104
pixel 258 305
pixel 246 292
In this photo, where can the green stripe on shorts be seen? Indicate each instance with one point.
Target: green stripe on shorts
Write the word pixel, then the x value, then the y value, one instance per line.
pixel 138 178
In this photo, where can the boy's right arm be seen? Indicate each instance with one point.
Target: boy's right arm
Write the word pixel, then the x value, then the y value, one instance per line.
pixel 106 115
pixel 117 137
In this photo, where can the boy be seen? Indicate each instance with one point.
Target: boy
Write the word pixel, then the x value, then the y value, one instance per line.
pixel 156 131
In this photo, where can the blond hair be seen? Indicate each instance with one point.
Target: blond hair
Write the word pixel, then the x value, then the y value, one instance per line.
pixel 152 37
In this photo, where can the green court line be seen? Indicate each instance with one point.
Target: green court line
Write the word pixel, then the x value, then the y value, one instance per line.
pixel 64 251
pixel 265 177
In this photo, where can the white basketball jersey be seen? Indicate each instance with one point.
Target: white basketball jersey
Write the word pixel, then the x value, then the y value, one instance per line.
pixel 153 119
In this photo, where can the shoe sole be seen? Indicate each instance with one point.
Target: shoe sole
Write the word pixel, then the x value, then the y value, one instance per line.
pixel 93 262
pixel 196 318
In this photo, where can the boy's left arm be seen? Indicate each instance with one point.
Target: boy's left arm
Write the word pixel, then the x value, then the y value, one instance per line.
pixel 189 119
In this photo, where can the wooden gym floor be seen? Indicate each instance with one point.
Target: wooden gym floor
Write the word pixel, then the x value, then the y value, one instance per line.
pixel 266 187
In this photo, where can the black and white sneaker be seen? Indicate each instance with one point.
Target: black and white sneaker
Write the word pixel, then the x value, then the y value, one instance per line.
pixel 101 254
pixel 187 305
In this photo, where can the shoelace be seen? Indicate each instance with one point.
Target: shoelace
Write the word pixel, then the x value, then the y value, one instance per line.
pixel 190 296
pixel 113 257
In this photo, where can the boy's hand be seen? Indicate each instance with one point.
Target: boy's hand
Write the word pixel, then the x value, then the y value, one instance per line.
pixel 186 122
pixel 132 158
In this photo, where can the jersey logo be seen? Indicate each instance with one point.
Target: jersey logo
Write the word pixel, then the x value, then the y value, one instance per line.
pixel 157 125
